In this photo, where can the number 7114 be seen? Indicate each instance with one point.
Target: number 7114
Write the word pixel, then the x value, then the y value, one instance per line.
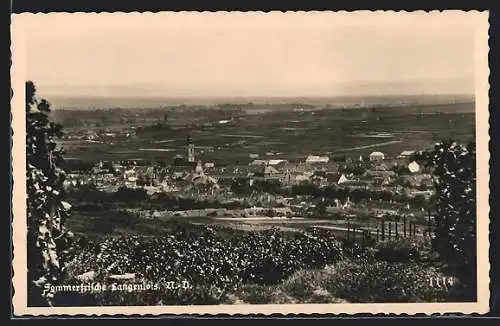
pixel 441 281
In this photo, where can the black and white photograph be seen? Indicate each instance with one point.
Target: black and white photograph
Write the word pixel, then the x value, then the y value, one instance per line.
pixel 250 162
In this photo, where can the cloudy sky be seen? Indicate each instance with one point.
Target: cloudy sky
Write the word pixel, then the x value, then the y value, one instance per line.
pixel 249 54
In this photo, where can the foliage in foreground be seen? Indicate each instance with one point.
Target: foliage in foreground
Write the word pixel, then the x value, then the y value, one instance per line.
pixel 403 250
pixel 228 266
pixel 46 210
pixel 454 168
pixel 214 262
pixel 358 281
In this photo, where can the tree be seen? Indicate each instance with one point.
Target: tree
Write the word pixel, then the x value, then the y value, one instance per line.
pixel 269 186
pixel 418 201
pixel 46 210
pixel 240 186
pixel 321 208
pixel 454 170
pixel 401 169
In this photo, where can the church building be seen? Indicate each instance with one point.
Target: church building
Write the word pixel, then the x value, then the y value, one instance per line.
pixel 189 160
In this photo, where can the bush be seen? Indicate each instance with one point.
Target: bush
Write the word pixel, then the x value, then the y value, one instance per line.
pixel 127 194
pixel 261 294
pixel 380 281
pixel 47 211
pixel 454 169
pixel 200 295
pixel 402 250
pixel 211 258
pixel 302 284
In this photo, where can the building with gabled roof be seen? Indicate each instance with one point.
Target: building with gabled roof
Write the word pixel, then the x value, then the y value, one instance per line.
pixel 268 172
pixel 406 154
pixel 258 162
pixel 317 159
pixel 377 156
pixel 276 162
pixel 342 179
pixel 414 167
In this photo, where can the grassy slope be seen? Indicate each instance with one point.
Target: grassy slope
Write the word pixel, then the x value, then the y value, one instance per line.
pixel 356 281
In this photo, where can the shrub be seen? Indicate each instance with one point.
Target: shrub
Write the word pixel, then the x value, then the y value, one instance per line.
pixel 211 258
pixel 402 250
pixel 46 210
pixel 302 284
pixel 200 295
pixel 380 281
pixel 127 194
pixel 262 294
pixel 454 169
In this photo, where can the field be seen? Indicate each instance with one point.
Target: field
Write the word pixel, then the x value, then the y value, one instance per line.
pixel 231 260
pixel 287 133
pixel 198 264
pixel 102 223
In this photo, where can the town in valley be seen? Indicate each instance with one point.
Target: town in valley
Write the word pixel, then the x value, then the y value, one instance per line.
pixel 289 166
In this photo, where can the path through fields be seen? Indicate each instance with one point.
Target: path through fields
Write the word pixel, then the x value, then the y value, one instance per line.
pixel 369 146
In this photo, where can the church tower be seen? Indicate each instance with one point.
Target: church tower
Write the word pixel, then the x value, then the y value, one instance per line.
pixel 190 150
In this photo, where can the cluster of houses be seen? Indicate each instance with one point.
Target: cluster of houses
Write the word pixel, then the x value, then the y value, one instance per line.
pixel 102 135
pixel 321 171
pixel 186 172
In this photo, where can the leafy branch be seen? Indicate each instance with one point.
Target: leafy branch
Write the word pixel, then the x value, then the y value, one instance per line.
pixel 48 239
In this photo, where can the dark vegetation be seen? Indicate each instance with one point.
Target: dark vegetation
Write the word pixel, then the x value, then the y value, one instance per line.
pixel 47 236
pixel 252 265
pixel 91 199
pixel 455 233
pixel 241 186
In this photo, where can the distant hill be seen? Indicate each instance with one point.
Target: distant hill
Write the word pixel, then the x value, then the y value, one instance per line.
pixel 89 102
pixel 140 95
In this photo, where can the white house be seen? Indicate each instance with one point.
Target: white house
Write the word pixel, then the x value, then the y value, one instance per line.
pixel 317 159
pixel 276 162
pixel 377 156
pixel 342 179
pixel 301 178
pixel 406 154
pixel 413 167
pixel 258 162
pixel 269 172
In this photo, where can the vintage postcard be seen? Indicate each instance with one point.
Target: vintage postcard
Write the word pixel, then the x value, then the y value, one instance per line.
pixel 250 163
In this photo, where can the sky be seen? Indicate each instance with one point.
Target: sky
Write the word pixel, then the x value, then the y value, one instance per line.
pixel 249 54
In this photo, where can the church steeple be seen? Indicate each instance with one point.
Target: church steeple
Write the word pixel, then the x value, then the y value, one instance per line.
pixel 190 150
